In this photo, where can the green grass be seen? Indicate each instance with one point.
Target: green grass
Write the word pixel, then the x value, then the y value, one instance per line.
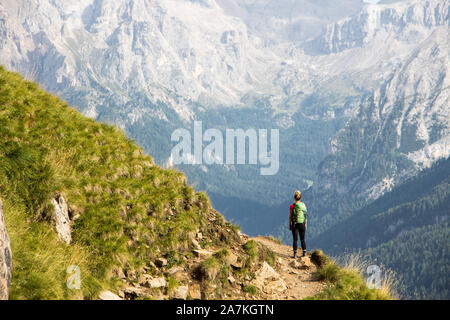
pixel 259 253
pixel 128 207
pixel 347 282
pixel 250 289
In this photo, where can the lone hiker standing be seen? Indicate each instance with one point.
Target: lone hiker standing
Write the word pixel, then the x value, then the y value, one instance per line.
pixel 297 222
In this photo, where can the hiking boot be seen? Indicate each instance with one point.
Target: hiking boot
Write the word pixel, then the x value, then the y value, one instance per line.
pixel 295 254
pixel 304 253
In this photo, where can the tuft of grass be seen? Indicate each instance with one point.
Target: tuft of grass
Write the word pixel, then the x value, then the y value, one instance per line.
pixel 347 282
pixel 222 254
pixel 250 289
pixel 258 252
pixel 172 284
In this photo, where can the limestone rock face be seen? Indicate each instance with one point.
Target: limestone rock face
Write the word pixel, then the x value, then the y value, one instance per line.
pixel 60 219
pixel 5 258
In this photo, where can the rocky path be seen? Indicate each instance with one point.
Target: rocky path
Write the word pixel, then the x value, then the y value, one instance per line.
pixel 298 274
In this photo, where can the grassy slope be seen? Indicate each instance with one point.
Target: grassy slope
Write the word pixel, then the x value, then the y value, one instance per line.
pixel 131 211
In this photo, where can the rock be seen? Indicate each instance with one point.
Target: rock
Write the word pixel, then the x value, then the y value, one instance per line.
pixel 196 244
pixel 161 262
pixel 231 279
pixel 180 275
pixel 199 236
pixel 304 263
pixel 195 292
pixel 268 279
pixel 202 253
pixel 242 236
pixel 237 265
pixel 144 279
pixel 307 263
pixel 156 283
pixel 119 273
pixel 174 270
pixel 231 259
pixel 108 295
pixel 132 293
pixel 267 272
pixel 299 264
pixel 5 258
pixel 277 286
pixel 60 218
pixel 181 293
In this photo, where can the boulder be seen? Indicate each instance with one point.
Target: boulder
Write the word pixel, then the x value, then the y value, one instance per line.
pixel 60 218
pixel 133 293
pixel 277 286
pixel 231 259
pixel 174 270
pixel 157 283
pixel 5 258
pixel 181 293
pixel 267 272
pixel 302 264
pixel 144 279
pixel 307 263
pixel 108 295
pixel 195 291
pixel 178 273
pixel 195 244
pixel 268 280
pixel 237 265
pixel 202 253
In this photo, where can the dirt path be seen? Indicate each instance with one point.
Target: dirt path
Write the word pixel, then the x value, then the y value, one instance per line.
pixel 299 276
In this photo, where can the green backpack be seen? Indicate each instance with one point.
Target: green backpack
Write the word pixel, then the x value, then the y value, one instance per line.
pixel 299 212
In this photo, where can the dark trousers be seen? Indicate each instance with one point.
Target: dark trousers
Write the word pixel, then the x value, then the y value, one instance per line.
pixel 299 228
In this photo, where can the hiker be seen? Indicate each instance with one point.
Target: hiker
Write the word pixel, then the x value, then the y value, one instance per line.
pixel 297 222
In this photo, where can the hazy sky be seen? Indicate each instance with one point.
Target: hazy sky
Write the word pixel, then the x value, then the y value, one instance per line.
pixel 371 1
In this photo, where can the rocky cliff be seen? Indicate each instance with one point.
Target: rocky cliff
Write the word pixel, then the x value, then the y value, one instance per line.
pixel 408 20
pixel 398 130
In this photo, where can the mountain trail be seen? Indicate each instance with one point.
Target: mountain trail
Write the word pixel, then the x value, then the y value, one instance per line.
pixel 300 275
